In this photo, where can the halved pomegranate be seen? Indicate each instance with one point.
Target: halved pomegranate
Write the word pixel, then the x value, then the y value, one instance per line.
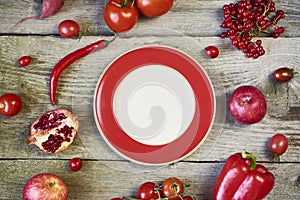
pixel 54 131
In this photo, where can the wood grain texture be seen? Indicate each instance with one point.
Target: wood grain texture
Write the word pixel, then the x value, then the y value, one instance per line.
pixel 193 17
pixel 190 26
pixel 97 181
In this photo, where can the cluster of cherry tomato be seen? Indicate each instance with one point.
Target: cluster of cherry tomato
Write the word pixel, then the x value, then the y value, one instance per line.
pixel 122 15
pixel 171 188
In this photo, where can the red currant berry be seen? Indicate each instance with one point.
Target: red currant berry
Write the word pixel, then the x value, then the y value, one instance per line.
pixel 249 54
pixel 224 35
pixel 262 52
pixel 275 35
pixel 272 9
pixel 249 6
pixel 258 42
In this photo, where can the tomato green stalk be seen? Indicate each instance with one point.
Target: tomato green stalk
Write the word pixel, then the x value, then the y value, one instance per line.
pixel 243 179
pixel 71 58
pixel 125 4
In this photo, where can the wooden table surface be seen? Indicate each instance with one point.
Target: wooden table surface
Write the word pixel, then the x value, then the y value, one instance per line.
pixel 190 26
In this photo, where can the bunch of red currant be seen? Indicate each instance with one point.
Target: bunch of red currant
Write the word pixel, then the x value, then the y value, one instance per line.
pixel 171 188
pixel 248 18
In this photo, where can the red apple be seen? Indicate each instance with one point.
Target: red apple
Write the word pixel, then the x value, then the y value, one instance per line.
pixel 45 186
pixel 247 105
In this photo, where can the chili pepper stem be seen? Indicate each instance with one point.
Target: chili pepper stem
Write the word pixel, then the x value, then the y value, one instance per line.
pixel 107 42
pixel 252 158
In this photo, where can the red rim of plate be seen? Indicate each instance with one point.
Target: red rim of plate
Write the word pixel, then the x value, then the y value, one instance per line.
pixel 137 152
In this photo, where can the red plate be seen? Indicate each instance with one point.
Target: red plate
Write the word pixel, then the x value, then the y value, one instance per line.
pixel 135 151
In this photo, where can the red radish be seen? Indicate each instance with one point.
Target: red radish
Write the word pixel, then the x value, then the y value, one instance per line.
pixel 49 8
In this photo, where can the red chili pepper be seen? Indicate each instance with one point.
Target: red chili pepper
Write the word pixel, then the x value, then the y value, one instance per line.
pixel 68 60
pixel 242 179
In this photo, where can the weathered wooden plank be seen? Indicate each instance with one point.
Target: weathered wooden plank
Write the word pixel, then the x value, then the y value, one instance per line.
pixel 77 85
pixel 97 181
pixel 193 17
pixel 190 26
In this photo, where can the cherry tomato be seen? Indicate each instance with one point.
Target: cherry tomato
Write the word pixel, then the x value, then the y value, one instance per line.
pixel 10 104
pixel 117 198
pixel 75 164
pixel 172 186
pixel 24 61
pixel 283 74
pixel 154 8
pixel 148 190
pixel 120 17
pixel 69 29
pixel 211 51
pixel 278 145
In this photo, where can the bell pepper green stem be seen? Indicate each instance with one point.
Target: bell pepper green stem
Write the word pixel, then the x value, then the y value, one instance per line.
pixel 252 158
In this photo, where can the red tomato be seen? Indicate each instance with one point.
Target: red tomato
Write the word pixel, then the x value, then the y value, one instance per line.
pixel 154 8
pixel 278 145
pixel 284 74
pixel 75 164
pixel 69 29
pixel 24 61
pixel 148 190
pixel 10 104
pixel 120 17
pixel 172 186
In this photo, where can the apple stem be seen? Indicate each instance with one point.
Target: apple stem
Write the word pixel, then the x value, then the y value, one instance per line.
pixel 245 100
pixel 51 185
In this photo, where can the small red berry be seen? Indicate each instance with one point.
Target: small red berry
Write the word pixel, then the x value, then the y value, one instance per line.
pixel 24 61
pixel 75 164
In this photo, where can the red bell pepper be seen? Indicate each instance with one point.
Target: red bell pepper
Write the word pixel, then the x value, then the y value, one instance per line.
pixel 242 179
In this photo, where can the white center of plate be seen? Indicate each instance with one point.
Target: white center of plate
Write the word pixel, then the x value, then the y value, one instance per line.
pixel 154 104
